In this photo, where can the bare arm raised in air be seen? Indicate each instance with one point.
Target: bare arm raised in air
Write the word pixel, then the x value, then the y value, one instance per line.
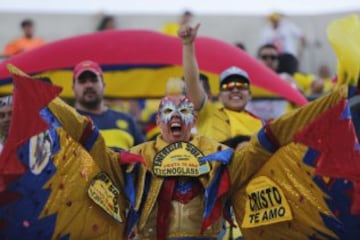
pixel 190 67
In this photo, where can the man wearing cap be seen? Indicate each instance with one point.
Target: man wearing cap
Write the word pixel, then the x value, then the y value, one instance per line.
pixel 231 123
pixel 119 129
pixel 5 118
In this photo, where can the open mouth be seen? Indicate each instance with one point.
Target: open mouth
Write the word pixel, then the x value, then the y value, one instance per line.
pixel 175 128
pixel 235 97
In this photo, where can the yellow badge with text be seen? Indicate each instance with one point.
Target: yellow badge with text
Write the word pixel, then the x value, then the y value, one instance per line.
pixel 105 194
pixel 265 204
pixel 180 159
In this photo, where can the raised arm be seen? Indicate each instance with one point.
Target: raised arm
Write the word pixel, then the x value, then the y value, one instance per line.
pixel 279 133
pixel 190 67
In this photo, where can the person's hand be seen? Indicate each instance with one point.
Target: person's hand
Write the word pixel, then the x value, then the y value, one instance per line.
pixel 188 33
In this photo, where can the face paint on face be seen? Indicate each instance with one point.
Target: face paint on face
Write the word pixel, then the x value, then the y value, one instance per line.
pixel 184 109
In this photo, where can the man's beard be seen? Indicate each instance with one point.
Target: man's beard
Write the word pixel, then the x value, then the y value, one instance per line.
pixel 92 104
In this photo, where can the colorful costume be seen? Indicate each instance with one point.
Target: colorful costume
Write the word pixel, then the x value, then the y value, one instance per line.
pixel 59 181
pixel 192 197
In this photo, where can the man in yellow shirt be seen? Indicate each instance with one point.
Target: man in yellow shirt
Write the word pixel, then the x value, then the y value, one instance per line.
pixel 230 124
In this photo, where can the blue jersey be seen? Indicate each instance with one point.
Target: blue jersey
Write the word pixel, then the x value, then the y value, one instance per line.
pixel 118 129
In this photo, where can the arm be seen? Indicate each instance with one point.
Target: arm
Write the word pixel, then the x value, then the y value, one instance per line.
pixel 282 131
pixel 191 70
pixel 71 121
pixel 82 130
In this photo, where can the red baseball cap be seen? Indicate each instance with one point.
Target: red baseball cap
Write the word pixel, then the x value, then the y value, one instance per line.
pixel 87 65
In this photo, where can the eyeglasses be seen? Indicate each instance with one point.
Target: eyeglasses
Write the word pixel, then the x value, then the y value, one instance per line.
pixel 269 56
pixel 232 85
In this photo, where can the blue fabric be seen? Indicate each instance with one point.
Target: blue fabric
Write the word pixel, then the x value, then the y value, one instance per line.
pixel 310 157
pixel 29 205
pixel 130 184
pixel 346 114
pixel 339 202
pixel 133 216
pixel 211 192
pixel 266 142
pixel 221 156
pixel 50 118
pixel 5 81
pixel 185 187
pixel 90 141
pixel 352 91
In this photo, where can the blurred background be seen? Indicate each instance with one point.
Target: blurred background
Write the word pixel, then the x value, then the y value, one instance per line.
pixel 229 20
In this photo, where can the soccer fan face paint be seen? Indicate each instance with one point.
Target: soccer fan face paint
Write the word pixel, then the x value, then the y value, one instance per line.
pixel 176 117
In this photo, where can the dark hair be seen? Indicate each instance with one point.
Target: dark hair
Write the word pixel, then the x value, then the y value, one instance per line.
pixel 103 22
pixel 187 13
pixel 240 45
pixel 26 23
pixel 268 45
pixel 288 63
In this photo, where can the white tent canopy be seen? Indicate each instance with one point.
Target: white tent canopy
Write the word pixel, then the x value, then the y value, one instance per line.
pixel 294 7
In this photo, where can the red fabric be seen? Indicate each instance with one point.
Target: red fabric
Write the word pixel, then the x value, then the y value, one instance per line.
pixel 128 158
pixel 271 136
pixel 355 207
pixel 339 150
pixel 141 47
pixel 194 191
pixel 87 132
pixel 217 210
pixel 164 208
pixel 30 96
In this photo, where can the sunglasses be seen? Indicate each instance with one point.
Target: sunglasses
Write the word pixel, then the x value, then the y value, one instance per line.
pixel 268 56
pixel 232 85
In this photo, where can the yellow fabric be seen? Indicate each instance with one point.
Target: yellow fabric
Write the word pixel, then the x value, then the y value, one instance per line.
pixel 117 138
pixel 306 200
pixel 75 124
pixel 151 107
pixel 304 81
pixel 241 168
pixel 328 85
pixel 134 83
pixel 242 123
pixel 75 213
pixel 284 167
pixel 221 124
pixel 344 36
pixel 266 204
